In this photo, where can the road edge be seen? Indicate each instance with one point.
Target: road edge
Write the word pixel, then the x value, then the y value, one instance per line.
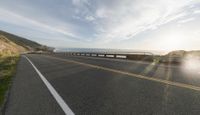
pixel 66 109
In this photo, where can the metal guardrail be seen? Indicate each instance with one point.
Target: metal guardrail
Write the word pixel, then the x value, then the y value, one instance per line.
pixel 144 56
pixel 138 56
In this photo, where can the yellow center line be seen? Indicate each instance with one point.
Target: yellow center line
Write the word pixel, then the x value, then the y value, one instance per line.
pixel 177 84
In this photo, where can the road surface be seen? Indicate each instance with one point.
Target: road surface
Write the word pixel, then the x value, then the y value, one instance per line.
pixel 99 86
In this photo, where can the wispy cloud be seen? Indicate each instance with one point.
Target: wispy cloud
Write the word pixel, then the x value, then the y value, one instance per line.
pixel 197 11
pixel 90 18
pixel 186 20
pixel 17 19
pixel 89 23
pixel 133 17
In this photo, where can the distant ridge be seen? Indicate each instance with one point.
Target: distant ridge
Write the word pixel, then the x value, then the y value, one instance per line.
pixel 28 44
pixel 10 44
pixel 182 53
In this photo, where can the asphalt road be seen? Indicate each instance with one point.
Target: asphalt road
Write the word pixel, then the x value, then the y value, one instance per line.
pixel 98 86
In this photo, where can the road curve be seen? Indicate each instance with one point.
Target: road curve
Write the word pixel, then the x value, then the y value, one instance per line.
pixel 97 91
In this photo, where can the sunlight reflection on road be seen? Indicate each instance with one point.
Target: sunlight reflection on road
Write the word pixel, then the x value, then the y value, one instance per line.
pixel 191 64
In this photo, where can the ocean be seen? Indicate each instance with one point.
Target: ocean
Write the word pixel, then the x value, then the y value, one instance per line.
pixel 101 50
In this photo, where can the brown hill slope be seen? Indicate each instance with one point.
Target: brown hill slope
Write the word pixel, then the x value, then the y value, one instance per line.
pixel 11 44
pixel 182 53
pixel 8 47
pixel 28 44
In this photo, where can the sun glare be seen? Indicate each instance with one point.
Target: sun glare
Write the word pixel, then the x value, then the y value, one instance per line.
pixel 191 64
pixel 173 41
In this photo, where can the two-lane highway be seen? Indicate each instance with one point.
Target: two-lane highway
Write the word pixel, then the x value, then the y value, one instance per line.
pixel 102 87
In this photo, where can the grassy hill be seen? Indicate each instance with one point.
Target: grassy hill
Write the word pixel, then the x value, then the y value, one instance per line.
pixel 10 48
pixel 27 44
pixel 182 53
pixel 7 47
pixel 21 44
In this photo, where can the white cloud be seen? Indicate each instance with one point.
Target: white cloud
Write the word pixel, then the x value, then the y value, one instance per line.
pixel 196 11
pixel 79 2
pixel 186 20
pixel 102 13
pixel 14 18
pixel 127 19
pixel 89 18
pixel 112 21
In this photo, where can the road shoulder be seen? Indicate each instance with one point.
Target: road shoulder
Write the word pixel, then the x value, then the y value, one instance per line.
pixel 29 94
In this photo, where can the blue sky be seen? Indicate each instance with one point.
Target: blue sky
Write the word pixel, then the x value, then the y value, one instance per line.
pixel 122 24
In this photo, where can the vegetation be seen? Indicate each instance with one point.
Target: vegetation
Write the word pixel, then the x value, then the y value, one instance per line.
pixel 20 41
pixel 25 43
pixel 10 48
pixel 182 53
pixel 7 69
pixel 9 55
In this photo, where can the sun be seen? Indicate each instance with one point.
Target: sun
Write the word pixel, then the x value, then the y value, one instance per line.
pixel 175 41
pixel 172 43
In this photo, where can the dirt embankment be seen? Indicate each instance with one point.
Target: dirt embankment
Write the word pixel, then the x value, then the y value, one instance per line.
pixel 8 47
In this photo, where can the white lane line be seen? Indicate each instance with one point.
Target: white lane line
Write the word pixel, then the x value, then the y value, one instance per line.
pixel 57 97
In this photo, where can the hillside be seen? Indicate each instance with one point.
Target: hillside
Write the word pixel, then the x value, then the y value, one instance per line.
pixel 8 47
pixel 10 43
pixel 182 53
pixel 28 44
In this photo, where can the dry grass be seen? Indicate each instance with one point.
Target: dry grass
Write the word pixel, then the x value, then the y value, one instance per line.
pixel 7 70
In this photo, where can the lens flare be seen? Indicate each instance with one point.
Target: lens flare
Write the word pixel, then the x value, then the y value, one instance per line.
pixel 191 64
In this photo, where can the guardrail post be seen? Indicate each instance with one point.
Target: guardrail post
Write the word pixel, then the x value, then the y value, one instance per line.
pixel 145 56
